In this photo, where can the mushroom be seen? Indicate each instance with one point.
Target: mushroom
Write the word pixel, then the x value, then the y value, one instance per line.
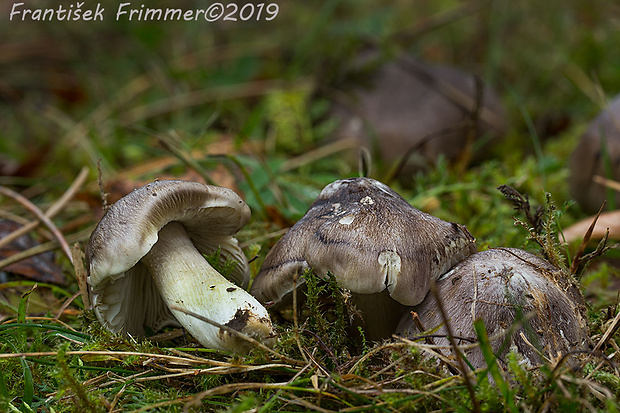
pixel 408 106
pixel 377 245
pixel 146 255
pixel 597 154
pixel 503 286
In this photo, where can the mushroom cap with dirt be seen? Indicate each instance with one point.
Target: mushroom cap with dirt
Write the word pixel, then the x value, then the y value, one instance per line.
pixel 379 247
pixel 503 286
pixel 147 254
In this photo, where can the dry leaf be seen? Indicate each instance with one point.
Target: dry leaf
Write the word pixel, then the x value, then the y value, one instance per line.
pixel 609 220
pixel 41 267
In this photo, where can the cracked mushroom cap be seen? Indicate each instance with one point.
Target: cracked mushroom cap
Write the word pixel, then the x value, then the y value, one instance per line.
pixel 124 296
pixel 501 286
pixel 371 239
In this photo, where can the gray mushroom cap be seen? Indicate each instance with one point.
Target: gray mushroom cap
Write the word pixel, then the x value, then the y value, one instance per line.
pixel 370 238
pixel 124 296
pixel 501 286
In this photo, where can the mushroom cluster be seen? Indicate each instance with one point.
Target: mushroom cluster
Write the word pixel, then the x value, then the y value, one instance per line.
pixel 146 261
pixel 146 256
pixel 387 254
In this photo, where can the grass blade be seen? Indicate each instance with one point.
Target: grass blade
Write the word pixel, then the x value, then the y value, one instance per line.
pixel 4 393
pixel 491 361
pixel 28 383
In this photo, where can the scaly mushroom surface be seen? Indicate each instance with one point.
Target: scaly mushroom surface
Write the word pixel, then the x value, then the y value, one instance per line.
pixel 374 242
pixel 146 255
pixel 503 286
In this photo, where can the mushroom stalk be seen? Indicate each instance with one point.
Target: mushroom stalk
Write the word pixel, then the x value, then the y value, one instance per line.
pixel 185 279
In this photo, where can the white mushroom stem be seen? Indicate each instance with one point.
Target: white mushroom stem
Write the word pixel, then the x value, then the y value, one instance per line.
pixel 186 280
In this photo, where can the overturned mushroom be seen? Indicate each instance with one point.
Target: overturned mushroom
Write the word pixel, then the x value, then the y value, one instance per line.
pixel 146 255
pixel 376 245
pixel 504 286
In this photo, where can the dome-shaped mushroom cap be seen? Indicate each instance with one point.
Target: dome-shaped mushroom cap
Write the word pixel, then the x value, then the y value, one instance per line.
pixel 370 238
pixel 124 297
pixel 501 286
pixel 211 215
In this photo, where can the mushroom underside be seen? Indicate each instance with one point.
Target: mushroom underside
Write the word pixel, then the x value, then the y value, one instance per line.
pixel 130 314
pixel 174 273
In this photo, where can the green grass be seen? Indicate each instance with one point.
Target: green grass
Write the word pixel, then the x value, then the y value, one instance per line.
pixel 246 104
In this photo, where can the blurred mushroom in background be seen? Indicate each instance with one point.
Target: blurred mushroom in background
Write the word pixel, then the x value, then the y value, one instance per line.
pixel 527 305
pixel 409 112
pixel 597 155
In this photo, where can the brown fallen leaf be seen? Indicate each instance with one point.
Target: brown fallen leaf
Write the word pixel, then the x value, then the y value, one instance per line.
pixel 606 220
pixel 39 267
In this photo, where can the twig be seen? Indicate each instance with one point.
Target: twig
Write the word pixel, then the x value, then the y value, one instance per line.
pixel 429 339
pixel 606 360
pixel 177 359
pixel 325 347
pixel 319 153
pixel 54 320
pixel 472 128
pixel 117 397
pixel 77 133
pixel 200 97
pixel 197 359
pixel 304 403
pixel 102 193
pixel 295 377
pixel 240 335
pixel 433 350
pixel 41 216
pixel 230 369
pixel 371 353
pixel 599 391
pixel 615 185
pixel 296 320
pixel 264 237
pixel 66 304
pixel 610 332
pixel 46 246
pixel 455 349
pixel 402 162
pixel 80 274
pixel 584 243
pixel 52 211
pixel 226 388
